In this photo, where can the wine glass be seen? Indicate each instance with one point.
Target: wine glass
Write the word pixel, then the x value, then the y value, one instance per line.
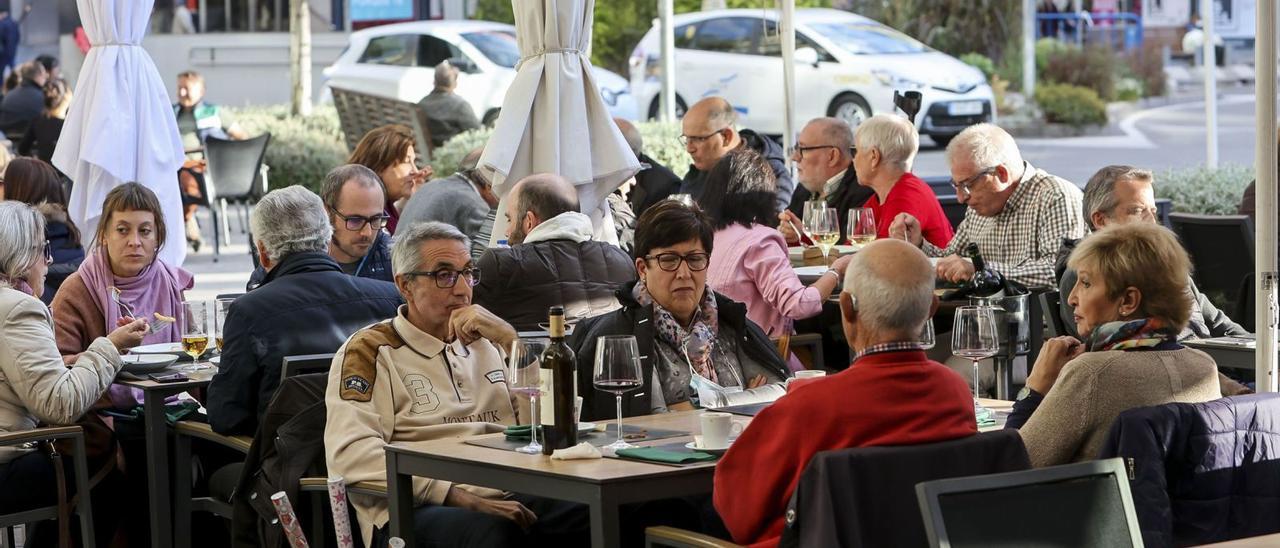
pixel 974 337
pixel 862 226
pixel 195 328
pixel 220 308
pixel 524 373
pixel 927 335
pixel 617 371
pixel 824 227
pixel 685 199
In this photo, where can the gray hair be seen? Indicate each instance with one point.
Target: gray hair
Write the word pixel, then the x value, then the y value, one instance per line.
pixel 405 253
pixel 837 133
pixel 987 145
pixel 446 75
pixel 895 138
pixel 21 239
pixel 890 299
pixel 290 220
pixel 1100 192
pixel 338 177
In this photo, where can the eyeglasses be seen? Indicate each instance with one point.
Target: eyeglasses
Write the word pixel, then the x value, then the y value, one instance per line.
pixel 799 151
pixel 48 252
pixel 447 278
pixel 686 140
pixel 671 261
pixel 356 222
pixel 963 186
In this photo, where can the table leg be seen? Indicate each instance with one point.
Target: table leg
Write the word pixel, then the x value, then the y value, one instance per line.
pixel 606 529
pixel 157 468
pixel 400 500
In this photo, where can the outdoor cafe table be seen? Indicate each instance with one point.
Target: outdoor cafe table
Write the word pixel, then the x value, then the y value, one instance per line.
pixel 602 484
pixel 159 494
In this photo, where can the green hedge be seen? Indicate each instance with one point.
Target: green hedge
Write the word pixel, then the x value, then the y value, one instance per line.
pixel 1205 191
pixel 302 150
pixel 1072 105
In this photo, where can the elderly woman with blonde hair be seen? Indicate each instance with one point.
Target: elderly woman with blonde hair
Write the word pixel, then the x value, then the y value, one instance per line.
pixel 1131 301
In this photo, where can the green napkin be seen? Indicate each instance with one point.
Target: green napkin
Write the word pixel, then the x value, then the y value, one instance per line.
pixel 516 433
pixel 663 455
pixel 986 417
pixel 173 412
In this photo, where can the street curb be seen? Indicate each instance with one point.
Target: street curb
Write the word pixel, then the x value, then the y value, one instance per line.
pixel 1029 127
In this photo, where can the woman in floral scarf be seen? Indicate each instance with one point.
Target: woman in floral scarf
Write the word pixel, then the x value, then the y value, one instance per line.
pixel 1131 301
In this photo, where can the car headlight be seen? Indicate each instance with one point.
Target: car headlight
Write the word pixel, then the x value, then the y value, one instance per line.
pixel 896 81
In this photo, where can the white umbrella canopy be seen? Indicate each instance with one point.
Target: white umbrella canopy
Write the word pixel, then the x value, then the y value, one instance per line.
pixel 121 126
pixel 553 119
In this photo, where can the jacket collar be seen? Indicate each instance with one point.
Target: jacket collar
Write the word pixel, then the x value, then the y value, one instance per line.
pixel 420 341
pixel 569 225
pixel 732 313
pixel 299 263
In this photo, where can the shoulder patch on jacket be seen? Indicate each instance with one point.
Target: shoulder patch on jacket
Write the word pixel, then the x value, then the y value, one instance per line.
pixel 359 361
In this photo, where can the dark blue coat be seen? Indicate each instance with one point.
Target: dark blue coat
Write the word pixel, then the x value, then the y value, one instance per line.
pixel 375 266
pixel 1202 472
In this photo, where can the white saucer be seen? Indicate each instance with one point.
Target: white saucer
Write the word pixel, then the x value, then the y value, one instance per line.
pixel 693 445
pixel 586 427
pixel 215 360
pixel 162 348
pixel 141 364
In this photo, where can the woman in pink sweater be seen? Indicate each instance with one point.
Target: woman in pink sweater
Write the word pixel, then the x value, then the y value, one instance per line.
pixel 749 261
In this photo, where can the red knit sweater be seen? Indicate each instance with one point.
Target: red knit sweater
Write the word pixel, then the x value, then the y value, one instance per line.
pixel 890 398
pixel 912 195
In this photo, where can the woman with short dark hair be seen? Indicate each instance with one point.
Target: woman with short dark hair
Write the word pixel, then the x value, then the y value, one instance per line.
pixel 36 183
pixel 750 263
pixel 690 338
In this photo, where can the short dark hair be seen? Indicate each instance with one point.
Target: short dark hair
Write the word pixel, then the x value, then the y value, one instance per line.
pixel 130 197
pixel 338 177
pixel 543 197
pixel 742 189
pixel 32 181
pixel 50 62
pixel 670 222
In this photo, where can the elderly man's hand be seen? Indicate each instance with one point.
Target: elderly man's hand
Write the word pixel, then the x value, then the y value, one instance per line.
pixel 906 227
pixel 954 268
pixel 474 322
pixel 1055 354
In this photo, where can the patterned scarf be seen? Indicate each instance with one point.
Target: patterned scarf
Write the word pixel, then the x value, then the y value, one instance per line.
pixel 1125 335
pixel 696 341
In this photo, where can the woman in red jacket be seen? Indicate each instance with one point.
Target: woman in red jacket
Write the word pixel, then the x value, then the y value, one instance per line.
pixel 885 148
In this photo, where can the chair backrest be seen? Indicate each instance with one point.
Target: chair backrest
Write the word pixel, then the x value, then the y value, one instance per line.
pixel 953 209
pixel 940 185
pixel 1164 207
pixel 233 166
pixel 1055 324
pixel 232 296
pixel 358 113
pixel 1221 249
pixel 308 363
pixel 1090 502
pixel 866 496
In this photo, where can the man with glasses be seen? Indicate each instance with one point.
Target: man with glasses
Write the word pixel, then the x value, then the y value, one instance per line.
pixel 552 259
pixel 1018 215
pixel 435 370
pixel 823 156
pixel 710 131
pixel 464 200
pixel 306 305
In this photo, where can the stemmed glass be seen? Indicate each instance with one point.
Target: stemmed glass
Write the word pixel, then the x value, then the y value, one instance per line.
pixel 927 336
pixel 195 328
pixel 824 227
pixel 862 226
pixel 220 308
pixel 617 371
pixel 974 337
pixel 524 373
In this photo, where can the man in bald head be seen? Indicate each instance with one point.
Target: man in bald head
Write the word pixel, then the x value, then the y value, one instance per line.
pixel 709 131
pixel 891 395
pixel 552 259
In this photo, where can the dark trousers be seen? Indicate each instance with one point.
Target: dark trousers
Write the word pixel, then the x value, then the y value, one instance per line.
pixel 30 481
pixel 561 524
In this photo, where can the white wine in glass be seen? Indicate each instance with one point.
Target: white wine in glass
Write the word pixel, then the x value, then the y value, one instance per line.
pixel 824 227
pixel 195 328
pixel 862 226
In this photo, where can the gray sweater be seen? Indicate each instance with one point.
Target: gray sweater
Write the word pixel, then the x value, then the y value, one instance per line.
pixel 1072 422
pixel 453 200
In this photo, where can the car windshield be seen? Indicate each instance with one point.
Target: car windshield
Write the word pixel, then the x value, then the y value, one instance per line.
pixel 498 45
pixel 867 39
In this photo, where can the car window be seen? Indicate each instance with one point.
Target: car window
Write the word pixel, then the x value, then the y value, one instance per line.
pixel 397 49
pixel 499 46
pixel 432 51
pixel 727 35
pixel 684 36
pixel 771 43
pixel 868 38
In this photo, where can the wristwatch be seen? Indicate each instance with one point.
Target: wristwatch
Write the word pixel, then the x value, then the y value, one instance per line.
pixel 832 271
pixel 1022 394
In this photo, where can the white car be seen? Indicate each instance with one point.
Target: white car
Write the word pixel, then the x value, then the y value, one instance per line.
pixel 398 61
pixel 847 66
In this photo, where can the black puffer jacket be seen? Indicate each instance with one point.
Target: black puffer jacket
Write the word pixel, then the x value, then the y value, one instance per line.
pixel 634 319
pixel 521 282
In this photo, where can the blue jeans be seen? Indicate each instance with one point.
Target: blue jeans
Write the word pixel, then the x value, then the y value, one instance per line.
pixel 559 524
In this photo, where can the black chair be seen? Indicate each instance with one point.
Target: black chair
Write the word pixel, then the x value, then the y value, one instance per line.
pixel 1221 249
pixel 309 363
pixel 83 505
pixel 953 209
pixel 1164 207
pixel 940 185
pixel 1082 504
pixel 233 168
pixel 1055 324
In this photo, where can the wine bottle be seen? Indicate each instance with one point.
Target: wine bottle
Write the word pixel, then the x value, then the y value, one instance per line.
pixel 559 380
pixel 985 282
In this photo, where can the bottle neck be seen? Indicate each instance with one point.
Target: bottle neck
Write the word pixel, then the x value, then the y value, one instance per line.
pixel 555 328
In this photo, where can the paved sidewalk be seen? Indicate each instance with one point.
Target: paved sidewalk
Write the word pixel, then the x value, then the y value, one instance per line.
pixel 231 272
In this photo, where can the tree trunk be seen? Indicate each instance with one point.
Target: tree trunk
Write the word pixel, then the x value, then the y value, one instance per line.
pixel 300 56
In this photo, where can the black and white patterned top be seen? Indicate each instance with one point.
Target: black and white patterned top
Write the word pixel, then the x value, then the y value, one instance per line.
pixel 1021 242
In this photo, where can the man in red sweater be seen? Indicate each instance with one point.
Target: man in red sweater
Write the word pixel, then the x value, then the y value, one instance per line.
pixel 891 395
pixel 886 146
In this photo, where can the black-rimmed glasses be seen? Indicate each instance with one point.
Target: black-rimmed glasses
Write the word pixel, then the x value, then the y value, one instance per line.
pixel 686 140
pixel 447 278
pixel 671 261
pixel 356 222
pixel 799 151
pixel 963 186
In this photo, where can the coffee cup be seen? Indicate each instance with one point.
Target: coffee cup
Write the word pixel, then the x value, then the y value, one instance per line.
pixel 716 429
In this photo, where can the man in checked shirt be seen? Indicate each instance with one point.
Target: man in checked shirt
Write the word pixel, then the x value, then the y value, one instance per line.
pixel 1018 214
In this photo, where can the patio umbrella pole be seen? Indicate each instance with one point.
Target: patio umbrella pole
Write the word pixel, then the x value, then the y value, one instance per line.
pixel 1265 166
pixel 787 28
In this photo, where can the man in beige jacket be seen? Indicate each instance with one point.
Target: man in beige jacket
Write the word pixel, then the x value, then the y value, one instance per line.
pixel 435 370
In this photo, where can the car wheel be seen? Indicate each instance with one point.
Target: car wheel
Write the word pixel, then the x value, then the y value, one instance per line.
pixel 851 108
pixel 942 140
pixel 490 117
pixel 680 108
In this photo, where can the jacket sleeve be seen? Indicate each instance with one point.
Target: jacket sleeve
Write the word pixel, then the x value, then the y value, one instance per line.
pixel 958 241
pixel 233 392
pixel 28 141
pixel 49 389
pixel 1058 219
pixel 1219 324
pixel 1058 427
pixel 71 325
pixel 786 186
pixel 488 293
pixel 357 429
pixel 767 264
pixel 755 478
